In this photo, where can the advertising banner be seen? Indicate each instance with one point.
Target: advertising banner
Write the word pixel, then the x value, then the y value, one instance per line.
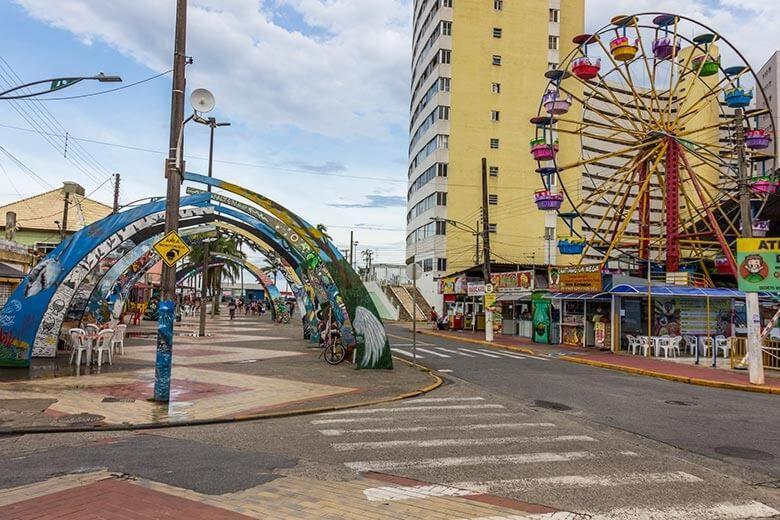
pixel 758 264
pixel 576 278
pixel 513 282
pixel 475 289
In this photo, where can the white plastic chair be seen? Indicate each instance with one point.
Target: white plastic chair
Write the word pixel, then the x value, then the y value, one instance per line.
pixel 92 328
pixel 692 342
pixel 664 344
pixel 675 343
pixel 633 343
pixel 78 345
pixel 722 344
pixel 103 344
pixel 644 342
pixel 705 346
pixel 118 341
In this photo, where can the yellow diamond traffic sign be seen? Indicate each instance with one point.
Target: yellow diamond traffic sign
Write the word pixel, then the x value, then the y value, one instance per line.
pixel 171 248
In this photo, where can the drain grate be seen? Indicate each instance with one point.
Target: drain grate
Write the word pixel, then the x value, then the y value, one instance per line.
pixel 80 418
pixel 118 400
pixel 743 453
pixel 681 403
pixel 552 405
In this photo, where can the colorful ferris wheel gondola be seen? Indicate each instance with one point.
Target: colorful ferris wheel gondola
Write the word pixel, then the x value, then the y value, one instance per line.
pixel 621 46
pixel 666 45
pixel 736 96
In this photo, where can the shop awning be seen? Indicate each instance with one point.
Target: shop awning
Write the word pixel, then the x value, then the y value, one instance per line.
pixel 683 291
pixel 577 296
pixel 510 297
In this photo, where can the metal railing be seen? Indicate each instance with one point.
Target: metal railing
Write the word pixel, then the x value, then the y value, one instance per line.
pixel 770 353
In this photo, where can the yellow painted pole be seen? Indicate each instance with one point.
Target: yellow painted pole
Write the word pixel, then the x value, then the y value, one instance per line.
pixel 709 340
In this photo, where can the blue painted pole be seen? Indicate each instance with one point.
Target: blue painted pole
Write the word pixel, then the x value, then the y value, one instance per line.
pixel 162 367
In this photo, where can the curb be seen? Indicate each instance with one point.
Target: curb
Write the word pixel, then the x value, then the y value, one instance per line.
pixel 672 377
pixel 437 382
pixel 524 350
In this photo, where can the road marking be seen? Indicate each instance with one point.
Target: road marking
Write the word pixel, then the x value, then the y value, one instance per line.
pixel 444 399
pixel 432 352
pixel 437 443
pixel 577 481
pixel 445 370
pixel 379 494
pixel 718 510
pixel 487 354
pixel 405 353
pixel 454 351
pixel 464 427
pixel 507 354
pixel 391 418
pixel 519 458
pixel 417 408
pixel 352 420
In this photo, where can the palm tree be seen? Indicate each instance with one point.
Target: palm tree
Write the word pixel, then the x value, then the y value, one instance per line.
pixel 227 245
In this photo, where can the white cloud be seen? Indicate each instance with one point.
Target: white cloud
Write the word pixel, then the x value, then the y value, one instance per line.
pixel 350 77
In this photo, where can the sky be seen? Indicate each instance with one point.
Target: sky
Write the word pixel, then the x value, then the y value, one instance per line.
pixel 316 92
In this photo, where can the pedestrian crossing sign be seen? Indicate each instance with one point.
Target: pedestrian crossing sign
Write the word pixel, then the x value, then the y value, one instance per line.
pixel 171 248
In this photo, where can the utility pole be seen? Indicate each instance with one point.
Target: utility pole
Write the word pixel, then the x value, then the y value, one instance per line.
pixel 116 194
pixel 476 235
pixel 753 311
pixel 64 226
pixel 162 376
pixel 351 248
pixel 486 249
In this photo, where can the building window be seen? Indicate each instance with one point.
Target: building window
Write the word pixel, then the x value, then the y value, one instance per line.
pixel 427 265
pixel 555 15
pixel 441 198
pixel 444 112
pixel 497 32
pixel 498 5
pixel 446 3
pixel 446 56
pixel 493 228
pixel 44 248
pixel 444 84
pixel 494 171
pixel 496 88
pixel 496 59
pixel 441 227
pixel 446 28
pixel 553 42
pixel 494 143
pixel 441 264
pixel 493 199
pixel 495 115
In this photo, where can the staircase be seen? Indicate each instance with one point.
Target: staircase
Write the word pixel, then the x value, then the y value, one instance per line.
pixel 401 296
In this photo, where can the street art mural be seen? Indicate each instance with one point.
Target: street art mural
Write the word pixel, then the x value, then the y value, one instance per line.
pixel 90 274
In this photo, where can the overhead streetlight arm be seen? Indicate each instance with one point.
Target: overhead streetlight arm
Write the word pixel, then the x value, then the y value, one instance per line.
pixel 56 84
pixel 456 224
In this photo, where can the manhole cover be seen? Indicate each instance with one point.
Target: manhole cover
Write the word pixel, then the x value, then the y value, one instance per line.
pixel 118 400
pixel 743 453
pixel 80 418
pixel 680 403
pixel 552 405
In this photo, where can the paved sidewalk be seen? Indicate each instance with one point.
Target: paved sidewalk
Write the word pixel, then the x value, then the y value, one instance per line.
pixel 653 367
pixel 103 495
pixel 247 367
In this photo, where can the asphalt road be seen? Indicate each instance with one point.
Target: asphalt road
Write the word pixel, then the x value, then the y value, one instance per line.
pixel 740 428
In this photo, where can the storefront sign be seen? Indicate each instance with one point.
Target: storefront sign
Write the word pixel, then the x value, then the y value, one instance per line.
pixel 758 264
pixel 475 289
pixel 490 301
pixel 453 285
pixel 514 281
pixel 575 278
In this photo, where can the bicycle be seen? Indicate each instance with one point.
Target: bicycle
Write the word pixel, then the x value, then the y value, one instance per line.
pixel 333 350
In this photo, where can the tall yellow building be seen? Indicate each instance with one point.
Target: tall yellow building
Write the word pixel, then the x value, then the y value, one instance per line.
pixel 477 79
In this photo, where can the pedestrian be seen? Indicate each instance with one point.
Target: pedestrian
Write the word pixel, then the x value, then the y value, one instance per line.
pixel 434 318
pixel 232 308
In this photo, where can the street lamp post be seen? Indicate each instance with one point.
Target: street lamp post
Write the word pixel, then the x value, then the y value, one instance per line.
pixel 55 84
pixel 212 124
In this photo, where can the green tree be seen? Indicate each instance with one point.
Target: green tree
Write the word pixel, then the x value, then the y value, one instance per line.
pixel 230 270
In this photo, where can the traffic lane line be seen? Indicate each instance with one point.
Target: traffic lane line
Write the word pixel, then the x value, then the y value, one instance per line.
pixel 413 429
pixel 519 458
pixel 437 443
pixel 427 408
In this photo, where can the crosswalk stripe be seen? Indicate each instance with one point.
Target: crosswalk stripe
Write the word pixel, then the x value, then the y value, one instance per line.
pixel 486 354
pixel 362 411
pixel 405 353
pixel 507 354
pixel 392 418
pixel 432 352
pixel 379 494
pixel 462 427
pixel 708 511
pixel 460 352
pixel 519 458
pixel 437 443
pixel 444 399
pixel 578 481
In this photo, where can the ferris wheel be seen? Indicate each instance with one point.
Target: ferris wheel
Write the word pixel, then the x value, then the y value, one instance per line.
pixel 671 159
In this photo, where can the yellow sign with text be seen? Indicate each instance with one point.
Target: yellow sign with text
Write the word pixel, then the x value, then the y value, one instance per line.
pixel 171 248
